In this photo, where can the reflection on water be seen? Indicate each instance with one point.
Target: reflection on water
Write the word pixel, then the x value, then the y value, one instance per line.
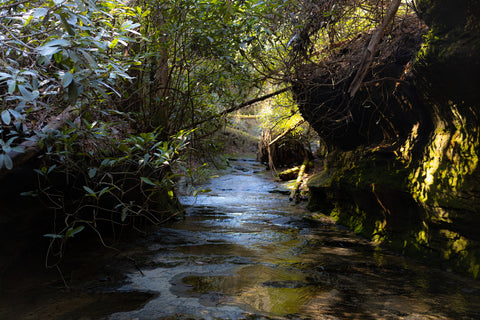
pixel 244 251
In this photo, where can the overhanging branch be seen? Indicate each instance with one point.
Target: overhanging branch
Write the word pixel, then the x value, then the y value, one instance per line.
pixel 238 107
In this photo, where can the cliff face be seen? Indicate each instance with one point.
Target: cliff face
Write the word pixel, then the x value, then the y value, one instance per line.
pixel 403 167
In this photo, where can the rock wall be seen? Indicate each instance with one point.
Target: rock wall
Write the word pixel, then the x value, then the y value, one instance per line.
pixel 416 187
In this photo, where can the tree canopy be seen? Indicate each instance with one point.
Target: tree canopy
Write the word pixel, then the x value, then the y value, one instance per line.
pixel 136 81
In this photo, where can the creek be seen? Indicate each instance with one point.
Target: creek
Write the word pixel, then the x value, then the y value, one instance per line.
pixel 244 251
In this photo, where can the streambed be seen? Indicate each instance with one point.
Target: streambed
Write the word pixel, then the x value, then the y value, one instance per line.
pixel 243 251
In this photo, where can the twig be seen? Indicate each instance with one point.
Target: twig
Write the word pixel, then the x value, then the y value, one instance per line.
pixel 384 79
pixel 136 265
pixel 61 276
pixel 8 6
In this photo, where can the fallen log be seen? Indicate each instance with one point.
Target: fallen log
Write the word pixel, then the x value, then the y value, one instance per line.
pixel 289 174
pixel 298 182
pixel 31 147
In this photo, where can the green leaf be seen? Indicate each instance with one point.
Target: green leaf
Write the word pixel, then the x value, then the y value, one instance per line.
pixel 12 85
pixel 48 51
pixel 91 193
pixel 147 181
pixel 25 93
pixel 113 43
pixel 67 25
pixel 71 232
pixel 105 162
pixel 80 5
pixel 124 213
pixel 73 93
pixel 29 194
pixel 51 168
pixel 54 236
pixel 103 191
pixel 89 58
pixel 40 12
pixel 53 47
pixel 8 162
pixel 66 79
pixel 92 172
pixel 28 73
pixel 17 115
pixel 58 43
pixel 4 76
pixel 6 117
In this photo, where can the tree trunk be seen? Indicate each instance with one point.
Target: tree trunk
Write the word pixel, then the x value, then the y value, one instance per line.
pixel 159 105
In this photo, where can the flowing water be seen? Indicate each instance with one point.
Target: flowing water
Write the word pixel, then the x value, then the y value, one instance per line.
pixel 244 251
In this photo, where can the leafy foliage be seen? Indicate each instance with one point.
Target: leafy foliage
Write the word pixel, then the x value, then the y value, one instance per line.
pixel 55 54
pixel 130 186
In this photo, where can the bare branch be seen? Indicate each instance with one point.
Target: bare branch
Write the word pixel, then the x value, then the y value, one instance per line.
pixel 372 48
pixel 240 106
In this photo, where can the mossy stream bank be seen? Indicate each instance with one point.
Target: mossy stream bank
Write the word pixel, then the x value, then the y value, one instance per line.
pixel 409 177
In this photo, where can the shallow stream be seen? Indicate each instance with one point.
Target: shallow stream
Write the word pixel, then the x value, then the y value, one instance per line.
pixel 244 251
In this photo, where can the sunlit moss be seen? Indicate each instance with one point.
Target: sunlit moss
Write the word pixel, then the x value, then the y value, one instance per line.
pixel 439 184
pixel 474 269
pixel 422 237
pixel 450 158
pixel 379 235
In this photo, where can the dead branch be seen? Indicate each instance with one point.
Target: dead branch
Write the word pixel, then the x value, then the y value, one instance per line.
pixel 286 132
pixel 372 48
pixel 240 106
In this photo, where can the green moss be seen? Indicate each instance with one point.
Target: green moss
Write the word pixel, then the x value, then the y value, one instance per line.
pixel 424 199
pixel 377 196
